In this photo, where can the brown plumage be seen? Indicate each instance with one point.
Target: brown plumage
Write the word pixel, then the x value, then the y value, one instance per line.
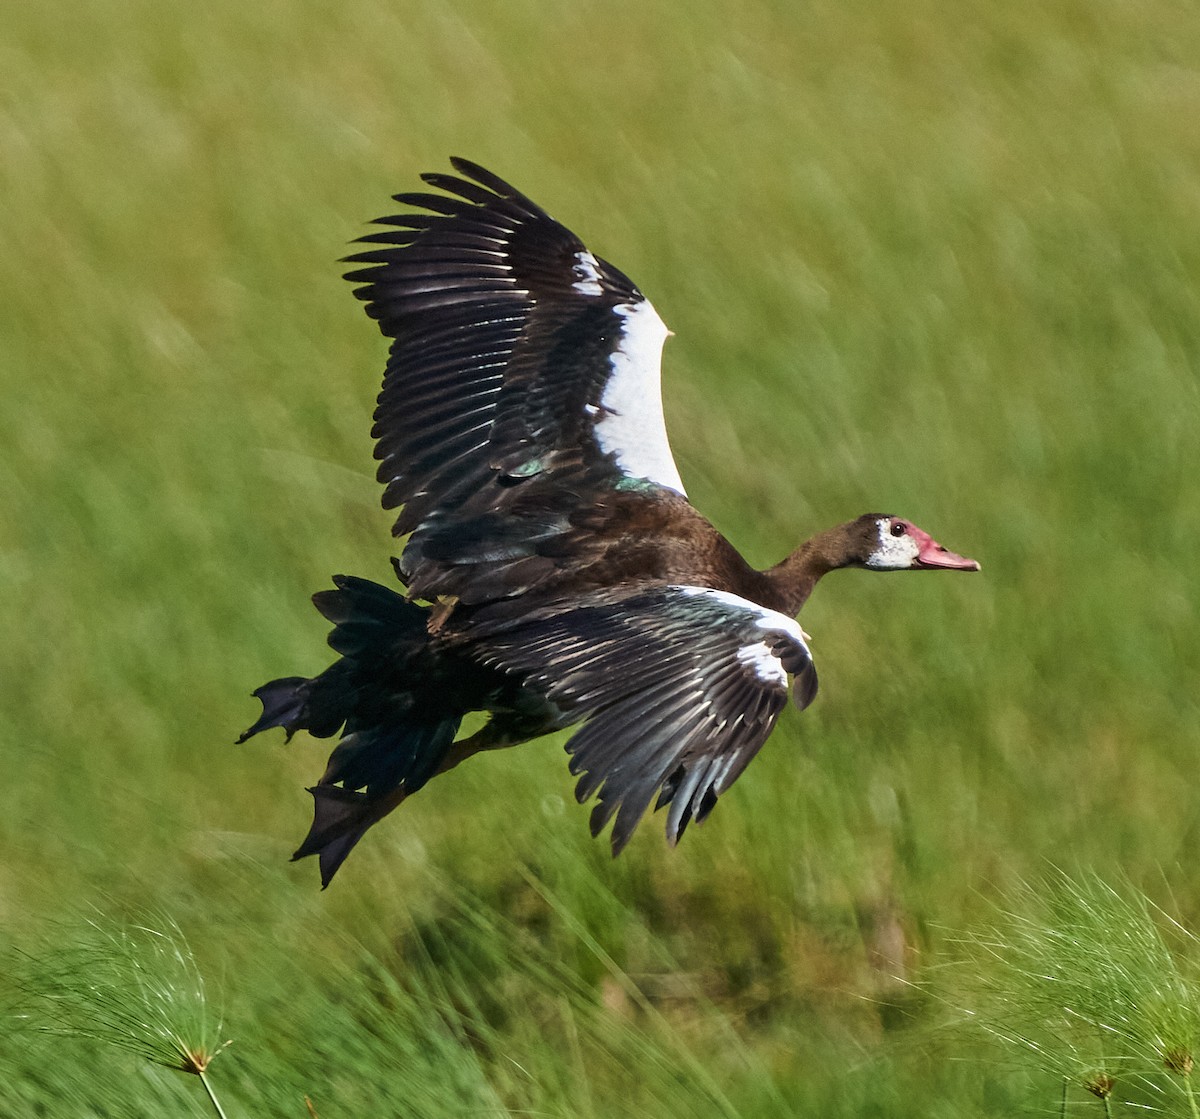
pixel 556 573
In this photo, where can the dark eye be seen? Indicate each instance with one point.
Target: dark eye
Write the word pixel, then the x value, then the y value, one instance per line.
pixel 898 528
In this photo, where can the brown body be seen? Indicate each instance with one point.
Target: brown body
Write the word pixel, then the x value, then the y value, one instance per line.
pixel 629 538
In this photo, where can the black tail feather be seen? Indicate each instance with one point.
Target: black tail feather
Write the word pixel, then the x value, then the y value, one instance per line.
pixel 317 705
pixel 393 699
pixel 377 755
pixel 283 705
pixel 378 633
pixel 341 818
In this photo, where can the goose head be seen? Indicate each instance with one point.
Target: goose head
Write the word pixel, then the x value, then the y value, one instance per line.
pixel 890 543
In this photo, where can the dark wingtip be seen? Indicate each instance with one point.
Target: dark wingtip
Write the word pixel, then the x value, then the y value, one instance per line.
pixel 675 829
pixel 804 686
pixel 482 176
pixel 494 183
pixel 624 826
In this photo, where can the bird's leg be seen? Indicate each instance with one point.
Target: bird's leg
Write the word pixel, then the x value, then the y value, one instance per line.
pixel 439 613
pixel 488 738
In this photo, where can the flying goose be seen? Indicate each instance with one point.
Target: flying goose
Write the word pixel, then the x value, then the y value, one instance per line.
pixel 555 572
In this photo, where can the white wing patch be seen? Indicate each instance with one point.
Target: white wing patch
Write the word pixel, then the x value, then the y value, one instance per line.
pixel 632 428
pixel 764 664
pixel 587 268
pixel 765 619
pixel 769 659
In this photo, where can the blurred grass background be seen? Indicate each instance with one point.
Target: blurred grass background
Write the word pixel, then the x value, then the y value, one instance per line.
pixel 937 259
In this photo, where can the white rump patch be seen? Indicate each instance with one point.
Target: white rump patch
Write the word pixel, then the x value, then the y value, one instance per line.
pixel 764 664
pixel 587 268
pixel 632 428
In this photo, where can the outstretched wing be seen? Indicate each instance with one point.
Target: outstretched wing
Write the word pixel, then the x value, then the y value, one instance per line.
pixel 679 687
pixel 520 362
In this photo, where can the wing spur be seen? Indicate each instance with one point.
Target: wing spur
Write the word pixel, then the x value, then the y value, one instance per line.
pixel 523 375
pixel 679 687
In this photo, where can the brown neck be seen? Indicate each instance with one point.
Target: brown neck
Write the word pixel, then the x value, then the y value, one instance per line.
pixel 794 578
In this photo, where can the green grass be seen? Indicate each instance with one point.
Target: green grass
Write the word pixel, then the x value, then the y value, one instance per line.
pixel 937 259
pixel 1091 983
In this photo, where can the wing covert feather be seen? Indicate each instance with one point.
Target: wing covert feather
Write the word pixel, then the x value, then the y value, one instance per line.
pixel 678 688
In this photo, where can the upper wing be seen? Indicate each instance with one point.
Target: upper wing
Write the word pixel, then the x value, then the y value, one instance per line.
pixel 519 360
pixel 679 687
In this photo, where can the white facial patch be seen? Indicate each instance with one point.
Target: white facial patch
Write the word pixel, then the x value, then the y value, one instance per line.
pixel 895 553
pixel 632 428
pixel 587 268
